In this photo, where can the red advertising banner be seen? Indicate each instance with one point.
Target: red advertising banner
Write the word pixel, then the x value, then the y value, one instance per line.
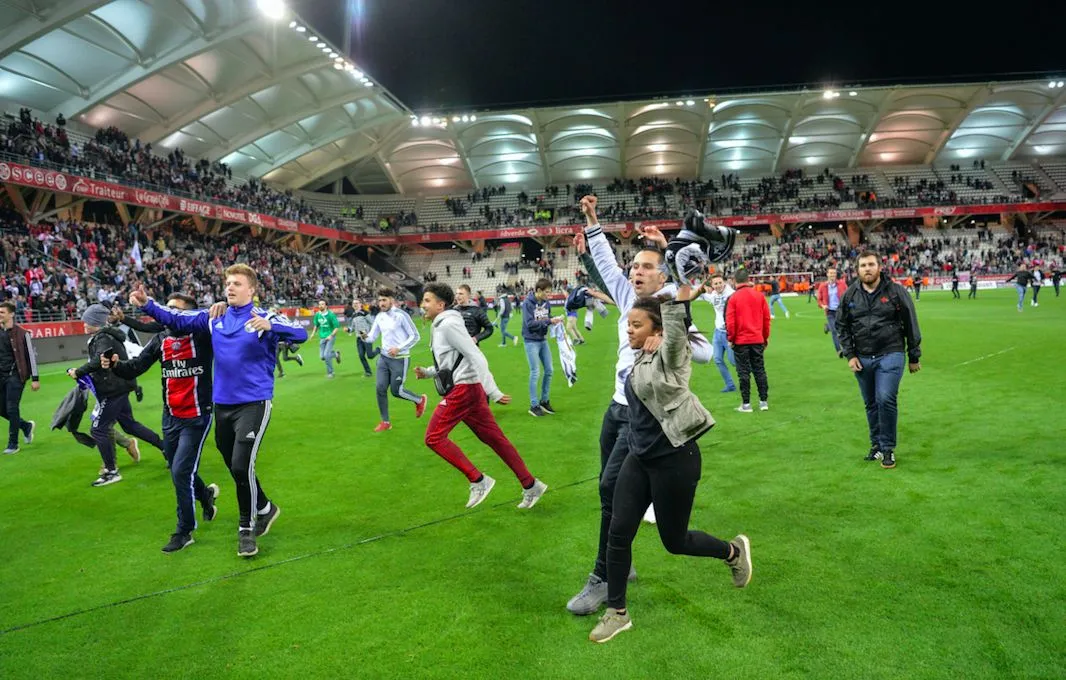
pixel 54 329
pixel 52 180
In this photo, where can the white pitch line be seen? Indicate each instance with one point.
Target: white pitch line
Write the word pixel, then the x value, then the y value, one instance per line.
pixel 987 356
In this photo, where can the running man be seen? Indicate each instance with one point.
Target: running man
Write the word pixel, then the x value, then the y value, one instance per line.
pixel 360 324
pixel 244 339
pixel 398 335
pixel 186 375
pixel 1021 279
pixel 775 297
pixel 463 380
pixel 325 322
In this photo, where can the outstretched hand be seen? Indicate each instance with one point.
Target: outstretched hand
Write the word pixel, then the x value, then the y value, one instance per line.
pixel 653 235
pixel 588 208
pixel 420 373
pixel 579 244
pixel 504 399
pixel 138 297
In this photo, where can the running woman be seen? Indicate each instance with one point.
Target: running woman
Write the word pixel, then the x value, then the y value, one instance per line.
pixel 463 379
pixel 663 467
pixel 398 336
pixel 244 340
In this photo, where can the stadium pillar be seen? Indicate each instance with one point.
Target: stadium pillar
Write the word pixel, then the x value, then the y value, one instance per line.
pixel 854 233
pixel 41 199
pixel 777 229
pixel 201 225
pixel 17 200
pixel 123 213
pixel 297 243
pixel 216 226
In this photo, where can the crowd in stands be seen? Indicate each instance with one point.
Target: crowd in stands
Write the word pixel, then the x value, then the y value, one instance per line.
pixel 111 154
pixel 54 270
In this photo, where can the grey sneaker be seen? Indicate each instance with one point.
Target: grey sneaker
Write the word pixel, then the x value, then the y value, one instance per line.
pixel 591 597
pixel 745 408
pixel 108 477
pixel 266 520
pixel 612 623
pixel 531 495
pixel 479 491
pixel 740 565
pixel 246 546
pixel 12 449
pixel 763 406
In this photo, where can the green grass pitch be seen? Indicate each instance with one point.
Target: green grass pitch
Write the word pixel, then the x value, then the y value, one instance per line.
pixel 949 566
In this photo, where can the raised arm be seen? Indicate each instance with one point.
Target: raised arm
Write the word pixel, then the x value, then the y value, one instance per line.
pixel 140 364
pixel 613 278
pixel 675 348
pixel 182 322
pixel 287 330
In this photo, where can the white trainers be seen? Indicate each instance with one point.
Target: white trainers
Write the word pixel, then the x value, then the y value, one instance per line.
pixel 763 406
pixel 745 408
pixel 531 495
pixel 480 490
pixel 649 515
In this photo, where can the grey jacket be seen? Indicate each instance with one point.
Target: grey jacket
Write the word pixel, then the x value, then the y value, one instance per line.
pixel 660 380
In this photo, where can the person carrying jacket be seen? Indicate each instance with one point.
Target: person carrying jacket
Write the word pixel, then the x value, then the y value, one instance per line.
pixel 663 467
pixel 747 327
pixel 112 392
pixel 877 323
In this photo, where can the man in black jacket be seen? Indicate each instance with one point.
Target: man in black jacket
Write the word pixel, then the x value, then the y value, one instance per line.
pixel 112 392
pixel 1021 279
pixel 474 316
pixel 876 323
pixel 187 408
pixel 18 363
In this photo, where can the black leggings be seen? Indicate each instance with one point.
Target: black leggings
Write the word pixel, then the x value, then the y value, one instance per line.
pixel 239 431
pixel 669 483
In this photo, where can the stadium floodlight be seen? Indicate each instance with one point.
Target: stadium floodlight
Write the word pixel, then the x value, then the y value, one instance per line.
pixel 414 122
pixel 681 103
pixel 455 119
pixel 689 102
pixel 473 118
pixel 320 45
pixel 853 93
pixel 357 73
pixel 1061 83
pixel 271 9
pixel 466 119
pixel 301 29
pixel 436 121
pixel 829 94
pixel 339 60
pixel 293 24
pixel 1052 85
pixel 332 54
pixel 368 84
pixel 338 67
pixel 312 38
pixel 425 120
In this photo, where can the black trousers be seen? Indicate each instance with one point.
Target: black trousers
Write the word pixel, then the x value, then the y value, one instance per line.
pixel 749 361
pixel 239 431
pixel 973 292
pixel 614 449
pixel 955 290
pixel 669 483
pixel 366 351
pixel 9 408
pixel 1036 293
pixel 118 410
pixel 283 355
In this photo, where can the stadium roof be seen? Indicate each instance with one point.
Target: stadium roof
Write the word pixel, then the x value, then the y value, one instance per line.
pixel 220 80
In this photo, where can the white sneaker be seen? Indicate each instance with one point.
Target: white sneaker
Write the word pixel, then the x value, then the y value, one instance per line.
pixel 745 408
pixel 763 406
pixel 787 315
pixel 108 477
pixel 480 490
pixel 649 515
pixel 531 495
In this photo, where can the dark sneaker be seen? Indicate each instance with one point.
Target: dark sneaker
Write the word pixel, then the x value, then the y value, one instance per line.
pixel 139 393
pixel 108 477
pixel 337 355
pixel 208 503
pixel 874 454
pixel 299 360
pixel 265 521
pixel 547 407
pixel 888 459
pixel 740 565
pixel 31 427
pixel 177 542
pixel 611 623
pixel 537 411
pixel 246 546
pixel 591 597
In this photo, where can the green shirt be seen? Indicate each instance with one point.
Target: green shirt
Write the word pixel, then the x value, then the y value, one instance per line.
pixel 326 322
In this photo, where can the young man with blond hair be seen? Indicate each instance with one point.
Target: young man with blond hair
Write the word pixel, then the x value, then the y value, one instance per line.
pixel 244 339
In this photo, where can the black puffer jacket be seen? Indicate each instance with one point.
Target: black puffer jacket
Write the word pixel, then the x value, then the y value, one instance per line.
pixel 476 321
pixel 872 324
pixel 107 341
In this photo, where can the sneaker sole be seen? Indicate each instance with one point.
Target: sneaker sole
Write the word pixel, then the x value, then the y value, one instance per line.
pixel 135 452
pixel 108 482
pixel 33 430
pixel 747 558
pixel 887 467
pixel 629 624
pixel 523 506
pixel 248 554
pixel 270 522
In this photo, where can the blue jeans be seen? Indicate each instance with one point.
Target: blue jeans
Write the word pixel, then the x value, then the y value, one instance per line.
pixel 503 330
pixel 780 303
pixel 538 354
pixel 722 350
pixel 326 353
pixel 1021 295
pixel 831 322
pixel 879 385
pixel 183 441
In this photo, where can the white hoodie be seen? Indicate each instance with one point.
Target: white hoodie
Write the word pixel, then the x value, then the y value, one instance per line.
pixel 449 339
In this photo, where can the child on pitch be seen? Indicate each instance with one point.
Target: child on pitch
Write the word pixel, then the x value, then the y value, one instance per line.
pixel 461 374
pixel 663 467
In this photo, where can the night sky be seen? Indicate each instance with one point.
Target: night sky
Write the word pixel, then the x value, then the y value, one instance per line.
pixel 477 54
